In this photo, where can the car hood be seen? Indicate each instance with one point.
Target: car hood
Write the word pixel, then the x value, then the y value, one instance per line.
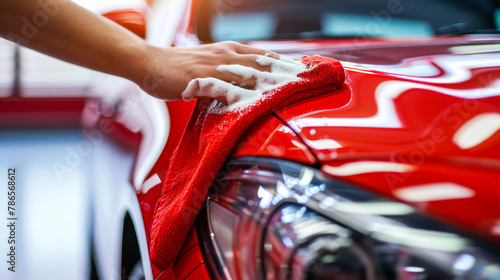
pixel 416 121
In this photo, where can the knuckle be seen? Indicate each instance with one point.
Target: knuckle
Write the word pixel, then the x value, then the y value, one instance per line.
pixel 220 50
pixel 232 44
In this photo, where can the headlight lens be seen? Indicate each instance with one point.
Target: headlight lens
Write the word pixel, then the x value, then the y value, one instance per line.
pixel 272 219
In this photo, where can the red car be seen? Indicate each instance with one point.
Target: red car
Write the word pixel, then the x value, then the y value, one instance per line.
pixel 393 176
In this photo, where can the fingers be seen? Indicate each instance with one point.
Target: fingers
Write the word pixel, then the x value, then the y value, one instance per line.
pixel 237 68
pixel 252 57
pixel 267 63
pixel 245 79
pixel 249 60
pixel 246 49
pixel 200 87
pixel 213 88
pixel 249 76
pixel 284 65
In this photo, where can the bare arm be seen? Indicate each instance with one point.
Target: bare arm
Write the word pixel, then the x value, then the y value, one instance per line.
pixel 69 32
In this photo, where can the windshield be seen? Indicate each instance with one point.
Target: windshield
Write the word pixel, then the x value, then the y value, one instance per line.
pixel 245 20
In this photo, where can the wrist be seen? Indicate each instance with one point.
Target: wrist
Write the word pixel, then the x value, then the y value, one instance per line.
pixel 146 75
pixel 132 60
pixel 152 76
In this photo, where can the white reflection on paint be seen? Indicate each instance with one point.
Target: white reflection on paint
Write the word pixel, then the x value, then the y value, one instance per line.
pixel 362 167
pixel 150 182
pixel 434 192
pixel 323 144
pixel 305 149
pixel 456 69
pixel 418 68
pixel 477 130
pixel 373 208
pixel 386 115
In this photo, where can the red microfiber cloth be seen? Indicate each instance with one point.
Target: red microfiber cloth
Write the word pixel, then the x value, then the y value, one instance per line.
pixel 208 141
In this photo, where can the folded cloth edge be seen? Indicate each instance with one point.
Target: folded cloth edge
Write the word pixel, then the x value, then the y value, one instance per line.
pixel 315 65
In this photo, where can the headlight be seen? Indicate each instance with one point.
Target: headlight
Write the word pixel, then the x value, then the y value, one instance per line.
pixel 271 219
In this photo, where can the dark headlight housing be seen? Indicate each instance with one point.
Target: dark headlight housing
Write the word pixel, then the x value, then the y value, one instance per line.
pixel 274 219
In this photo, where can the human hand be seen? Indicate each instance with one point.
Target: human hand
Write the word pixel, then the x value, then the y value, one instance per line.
pixel 169 70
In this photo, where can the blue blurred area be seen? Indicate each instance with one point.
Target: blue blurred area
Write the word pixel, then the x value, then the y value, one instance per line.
pixel 53 211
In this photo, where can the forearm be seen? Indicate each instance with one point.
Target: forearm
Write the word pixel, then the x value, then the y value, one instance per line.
pixel 64 30
pixel 69 32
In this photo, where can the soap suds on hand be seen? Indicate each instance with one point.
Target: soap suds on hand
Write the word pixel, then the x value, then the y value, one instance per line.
pixel 283 71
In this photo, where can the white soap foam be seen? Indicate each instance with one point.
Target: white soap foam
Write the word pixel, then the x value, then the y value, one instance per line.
pixel 285 65
pixel 283 71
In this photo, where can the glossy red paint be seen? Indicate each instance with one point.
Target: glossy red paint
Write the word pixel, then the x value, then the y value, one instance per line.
pixel 344 127
pixel 272 138
pixel 438 114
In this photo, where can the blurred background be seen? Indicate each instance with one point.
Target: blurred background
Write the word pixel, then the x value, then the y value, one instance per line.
pixel 53 230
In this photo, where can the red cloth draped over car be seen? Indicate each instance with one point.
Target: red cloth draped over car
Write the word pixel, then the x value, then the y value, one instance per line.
pixel 207 142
